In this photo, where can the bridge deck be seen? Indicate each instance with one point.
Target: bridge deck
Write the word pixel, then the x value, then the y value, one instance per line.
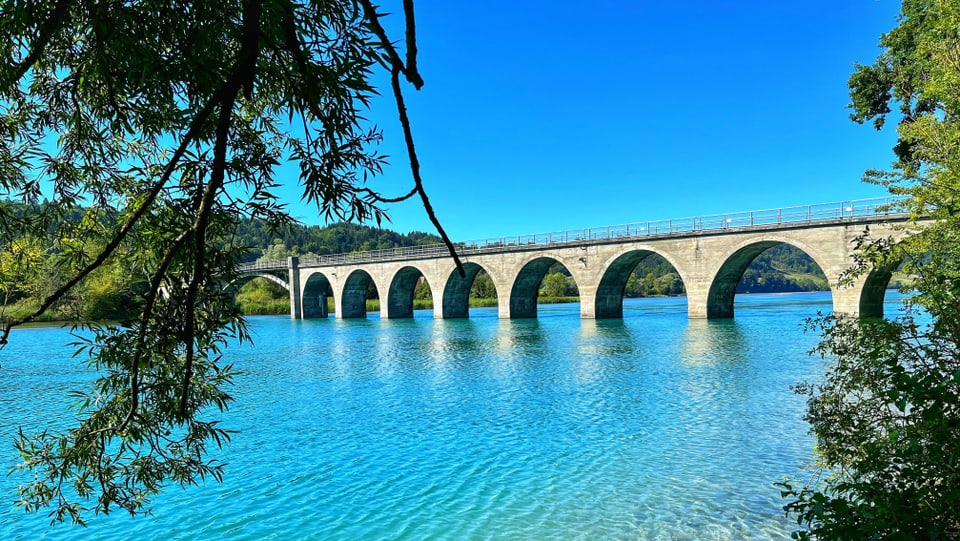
pixel 824 214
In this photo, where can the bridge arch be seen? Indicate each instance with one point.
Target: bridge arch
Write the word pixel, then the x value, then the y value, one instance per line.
pixel 608 302
pixel 353 296
pixel 874 289
pixel 724 281
pixel 401 290
pixel 526 284
pixel 245 277
pixel 316 289
pixel 456 292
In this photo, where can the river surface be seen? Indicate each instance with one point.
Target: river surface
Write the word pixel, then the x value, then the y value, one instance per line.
pixel 650 427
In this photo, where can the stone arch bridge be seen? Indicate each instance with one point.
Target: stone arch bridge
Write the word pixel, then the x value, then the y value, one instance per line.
pixel 709 253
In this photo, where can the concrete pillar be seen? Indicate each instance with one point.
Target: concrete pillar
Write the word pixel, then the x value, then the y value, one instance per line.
pixel 862 297
pixel 846 299
pixel 503 305
pixel 293 280
pixel 588 295
pixel 698 294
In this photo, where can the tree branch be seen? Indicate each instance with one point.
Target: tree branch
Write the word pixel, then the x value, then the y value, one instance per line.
pixel 192 133
pixel 415 167
pixel 47 30
pixel 244 77
pixel 411 36
pixel 409 70
pixel 150 302
pixel 381 199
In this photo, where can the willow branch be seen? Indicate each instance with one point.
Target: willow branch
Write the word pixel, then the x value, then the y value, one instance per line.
pixel 47 30
pixel 243 78
pixel 381 199
pixel 149 304
pixel 409 70
pixel 411 36
pixel 121 234
pixel 415 168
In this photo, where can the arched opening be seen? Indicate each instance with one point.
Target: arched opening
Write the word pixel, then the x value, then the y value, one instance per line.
pixel 544 276
pixel 558 286
pixel 894 276
pixel 636 274
pixel 358 288
pixel 422 295
pixel 405 287
pixel 316 291
pixel 763 267
pixel 461 291
pixel 261 295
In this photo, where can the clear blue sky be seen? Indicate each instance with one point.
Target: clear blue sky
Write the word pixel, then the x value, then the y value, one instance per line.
pixel 541 116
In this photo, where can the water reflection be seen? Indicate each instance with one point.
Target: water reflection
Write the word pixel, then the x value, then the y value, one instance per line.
pixel 713 341
pixel 519 337
pixel 606 337
pixel 604 348
pixel 455 343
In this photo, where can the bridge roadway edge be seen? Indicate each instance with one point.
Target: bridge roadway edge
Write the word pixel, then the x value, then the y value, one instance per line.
pixel 710 263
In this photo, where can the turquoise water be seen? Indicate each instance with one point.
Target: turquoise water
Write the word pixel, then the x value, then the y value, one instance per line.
pixel 653 427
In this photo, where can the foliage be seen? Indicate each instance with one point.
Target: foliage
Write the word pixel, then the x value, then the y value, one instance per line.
pixel 781 269
pixel 17 257
pixel 153 130
pixel 554 285
pixel 483 287
pixel 887 417
pixel 423 292
pixel 337 238
pixel 887 414
pixel 651 285
pixel 332 239
pixel 654 276
pixel 261 296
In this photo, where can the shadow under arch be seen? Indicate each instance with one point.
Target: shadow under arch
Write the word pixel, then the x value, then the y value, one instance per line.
pixel 723 287
pixel 526 287
pixel 874 290
pixel 353 299
pixel 313 302
pixel 456 292
pixel 402 289
pixel 613 284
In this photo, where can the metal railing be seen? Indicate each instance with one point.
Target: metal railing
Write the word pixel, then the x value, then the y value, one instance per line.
pixel 822 213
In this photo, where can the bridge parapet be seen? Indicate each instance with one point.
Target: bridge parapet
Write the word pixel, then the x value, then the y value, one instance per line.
pixel 854 211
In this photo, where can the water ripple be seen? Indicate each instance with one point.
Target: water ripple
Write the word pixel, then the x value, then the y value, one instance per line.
pixel 653 427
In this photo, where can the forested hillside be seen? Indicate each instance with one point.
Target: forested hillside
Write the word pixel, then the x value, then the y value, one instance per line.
pixel 332 239
pixel 33 268
pixel 782 269
pixel 113 290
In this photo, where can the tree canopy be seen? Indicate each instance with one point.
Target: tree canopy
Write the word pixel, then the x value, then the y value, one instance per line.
pixel 162 123
pixel 887 414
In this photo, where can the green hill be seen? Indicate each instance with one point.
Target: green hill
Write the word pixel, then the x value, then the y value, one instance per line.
pixel 315 240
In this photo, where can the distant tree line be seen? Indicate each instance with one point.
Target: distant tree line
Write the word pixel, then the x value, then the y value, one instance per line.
pixel 783 269
pixel 112 292
pixel 272 243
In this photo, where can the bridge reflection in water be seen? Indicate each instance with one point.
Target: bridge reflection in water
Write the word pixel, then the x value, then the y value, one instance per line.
pixel 710 254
